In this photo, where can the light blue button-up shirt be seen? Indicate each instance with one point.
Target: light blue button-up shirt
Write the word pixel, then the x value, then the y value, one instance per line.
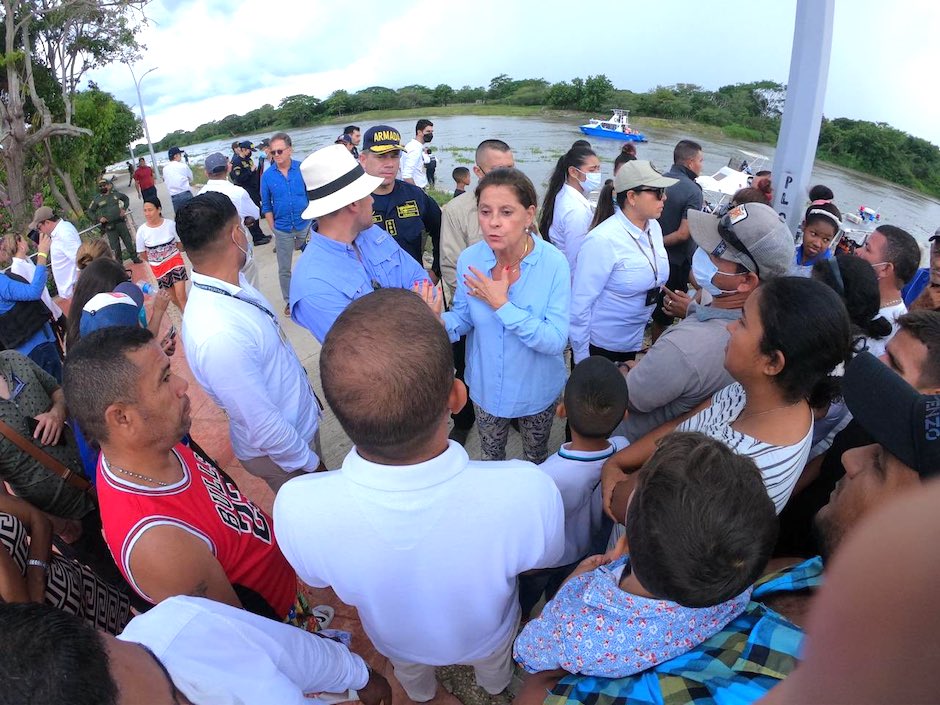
pixel 330 275
pixel 515 360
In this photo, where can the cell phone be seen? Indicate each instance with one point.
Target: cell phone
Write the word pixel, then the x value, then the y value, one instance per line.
pixel 34 424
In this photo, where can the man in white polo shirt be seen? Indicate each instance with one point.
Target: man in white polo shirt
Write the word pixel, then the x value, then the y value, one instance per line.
pixel 238 352
pixel 425 543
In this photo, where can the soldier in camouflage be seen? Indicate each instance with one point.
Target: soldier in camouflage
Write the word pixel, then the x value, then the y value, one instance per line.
pixel 108 210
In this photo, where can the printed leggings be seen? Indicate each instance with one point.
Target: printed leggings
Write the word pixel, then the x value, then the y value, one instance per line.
pixel 535 431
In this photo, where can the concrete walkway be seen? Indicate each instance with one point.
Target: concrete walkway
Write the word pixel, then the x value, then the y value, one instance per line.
pixel 210 430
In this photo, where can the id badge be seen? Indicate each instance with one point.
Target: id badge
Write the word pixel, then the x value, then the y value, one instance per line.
pixel 652 295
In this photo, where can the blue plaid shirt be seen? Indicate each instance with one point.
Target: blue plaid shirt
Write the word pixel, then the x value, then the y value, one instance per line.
pixel 737 665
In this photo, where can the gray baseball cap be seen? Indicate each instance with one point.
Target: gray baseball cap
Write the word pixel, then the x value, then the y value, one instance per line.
pixel 216 162
pixel 764 242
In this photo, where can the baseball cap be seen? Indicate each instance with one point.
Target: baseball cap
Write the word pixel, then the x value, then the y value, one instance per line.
pixel 381 139
pixel 132 290
pixel 173 151
pixel 216 162
pixel 264 143
pixel 638 173
pixel 344 139
pixel 765 243
pixel 246 144
pixel 334 179
pixel 42 213
pixel 903 421
pixel 108 310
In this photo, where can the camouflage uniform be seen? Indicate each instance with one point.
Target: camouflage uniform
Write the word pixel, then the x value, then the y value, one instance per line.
pixel 109 206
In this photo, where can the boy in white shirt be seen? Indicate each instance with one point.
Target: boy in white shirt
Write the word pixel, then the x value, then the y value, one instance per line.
pixel 595 402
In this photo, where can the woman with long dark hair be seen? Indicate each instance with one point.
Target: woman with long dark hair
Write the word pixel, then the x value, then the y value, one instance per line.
pixel 791 336
pixel 566 212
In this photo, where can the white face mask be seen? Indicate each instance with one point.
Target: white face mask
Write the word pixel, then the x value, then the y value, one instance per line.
pixel 593 180
pixel 248 250
pixel 704 269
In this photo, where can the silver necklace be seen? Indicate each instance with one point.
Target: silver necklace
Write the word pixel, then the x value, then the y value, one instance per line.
pixel 139 476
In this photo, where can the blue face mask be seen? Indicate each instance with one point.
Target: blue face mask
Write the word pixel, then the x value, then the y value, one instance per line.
pixel 704 269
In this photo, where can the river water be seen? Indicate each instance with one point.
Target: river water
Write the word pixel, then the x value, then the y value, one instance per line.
pixel 537 142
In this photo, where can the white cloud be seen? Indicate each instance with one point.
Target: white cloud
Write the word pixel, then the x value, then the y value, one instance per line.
pixel 216 58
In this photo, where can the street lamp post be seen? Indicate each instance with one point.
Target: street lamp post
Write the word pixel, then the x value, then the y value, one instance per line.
pixel 143 119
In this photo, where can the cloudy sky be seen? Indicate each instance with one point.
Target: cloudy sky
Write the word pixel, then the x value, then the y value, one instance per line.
pixel 218 57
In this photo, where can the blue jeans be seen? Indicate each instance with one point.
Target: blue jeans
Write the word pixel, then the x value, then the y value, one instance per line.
pixel 46 355
pixel 286 242
pixel 179 199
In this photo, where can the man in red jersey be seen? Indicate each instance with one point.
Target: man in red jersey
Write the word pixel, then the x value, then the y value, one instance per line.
pixel 175 523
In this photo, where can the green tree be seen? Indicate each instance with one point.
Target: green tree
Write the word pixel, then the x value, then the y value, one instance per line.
pixel 499 87
pixel 299 110
pixel 61 40
pixel 443 94
pixel 596 93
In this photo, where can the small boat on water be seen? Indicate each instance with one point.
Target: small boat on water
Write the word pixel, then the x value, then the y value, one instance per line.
pixel 617 127
pixel 731 178
pixel 865 215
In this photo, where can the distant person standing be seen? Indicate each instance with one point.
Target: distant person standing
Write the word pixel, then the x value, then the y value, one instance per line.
pixel 143 175
pixel 414 161
pixel 177 176
pixel 130 173
pixel 461 177
pixel 283 200
pixel 217 169
pixel 65 244
pixel 108 209
pixel 686 194
pixel 431 167
pixel 243 175
pixel 355 136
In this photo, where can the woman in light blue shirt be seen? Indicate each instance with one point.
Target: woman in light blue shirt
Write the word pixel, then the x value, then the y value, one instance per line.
pixel 512 298
pixel 621 268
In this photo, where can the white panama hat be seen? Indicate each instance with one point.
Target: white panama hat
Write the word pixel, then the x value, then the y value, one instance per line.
pixel 334 179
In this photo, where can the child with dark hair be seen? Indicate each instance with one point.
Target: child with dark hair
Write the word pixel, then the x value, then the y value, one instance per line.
pixel 595 402
pixel 461 176
pixel 700 529
pixel 822 222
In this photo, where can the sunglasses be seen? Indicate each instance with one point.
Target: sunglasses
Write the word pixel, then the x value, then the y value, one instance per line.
pixel 726 232
pixel 659 191
pixel 278 152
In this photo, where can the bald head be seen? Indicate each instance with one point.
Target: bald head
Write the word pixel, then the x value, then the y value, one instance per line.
pixel 387 371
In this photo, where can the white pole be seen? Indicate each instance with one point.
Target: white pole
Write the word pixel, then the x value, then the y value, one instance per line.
pixel 143 119
pixel 806 90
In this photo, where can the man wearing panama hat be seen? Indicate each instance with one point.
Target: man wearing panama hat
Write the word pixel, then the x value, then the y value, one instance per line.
pixel 347 256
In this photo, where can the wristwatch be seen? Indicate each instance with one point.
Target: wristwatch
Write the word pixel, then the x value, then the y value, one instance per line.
pixel 36 563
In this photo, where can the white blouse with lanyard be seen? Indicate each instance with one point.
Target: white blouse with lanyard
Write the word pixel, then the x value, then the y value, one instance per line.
pixel 618 275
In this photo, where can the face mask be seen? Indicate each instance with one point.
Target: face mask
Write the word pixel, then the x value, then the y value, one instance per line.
pixel 704 269
pixel 428 138
pixel 248 250
pixel 592 181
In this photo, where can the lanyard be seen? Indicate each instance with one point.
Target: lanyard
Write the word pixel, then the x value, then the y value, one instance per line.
pixel 652 262
pixel 375 282
pixel 273 318
pixel 223 292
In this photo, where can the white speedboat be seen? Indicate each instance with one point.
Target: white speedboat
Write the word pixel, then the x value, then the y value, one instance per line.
pixel 737 174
